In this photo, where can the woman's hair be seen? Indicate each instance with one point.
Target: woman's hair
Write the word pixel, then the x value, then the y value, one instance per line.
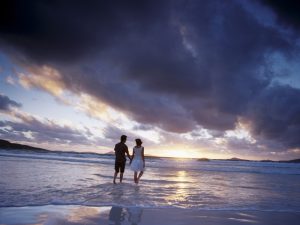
pixel 138 141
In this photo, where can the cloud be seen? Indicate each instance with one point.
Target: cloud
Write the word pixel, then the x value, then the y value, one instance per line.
pixel 287 12
pixel 6 103
pixel 45 78
pixel 10 80
pixel 29 128
pixel 113 133
pixel 53 29
pixel 275 115
pixel 175 65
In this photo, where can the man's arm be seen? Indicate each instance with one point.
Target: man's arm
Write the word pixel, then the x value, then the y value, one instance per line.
pixel 128 155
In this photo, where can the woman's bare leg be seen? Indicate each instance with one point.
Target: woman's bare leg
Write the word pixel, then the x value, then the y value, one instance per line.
pixel 135 177
pixel 140 175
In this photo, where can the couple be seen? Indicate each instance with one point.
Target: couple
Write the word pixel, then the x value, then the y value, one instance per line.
pixel 137 160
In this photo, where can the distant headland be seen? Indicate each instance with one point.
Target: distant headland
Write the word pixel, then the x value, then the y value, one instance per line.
pixel 14 146
pixel 246 160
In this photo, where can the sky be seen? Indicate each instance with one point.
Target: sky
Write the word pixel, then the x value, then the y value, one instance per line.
pixel 211 78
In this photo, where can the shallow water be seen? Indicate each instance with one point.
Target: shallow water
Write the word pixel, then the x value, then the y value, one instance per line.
pixel 79 179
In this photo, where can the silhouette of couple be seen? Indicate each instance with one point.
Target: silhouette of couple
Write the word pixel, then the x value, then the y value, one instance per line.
pixel 137 160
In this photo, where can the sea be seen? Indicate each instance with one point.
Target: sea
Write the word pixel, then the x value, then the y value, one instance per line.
pixel 39 179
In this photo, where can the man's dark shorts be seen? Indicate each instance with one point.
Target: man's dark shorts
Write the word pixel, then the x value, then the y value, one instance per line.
pixel 120 166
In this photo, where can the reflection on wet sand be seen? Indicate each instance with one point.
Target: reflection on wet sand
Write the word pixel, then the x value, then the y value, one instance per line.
pixel 71 215
pixel 78 215
pixel 118 215
pixel 135 215
pixel 68 215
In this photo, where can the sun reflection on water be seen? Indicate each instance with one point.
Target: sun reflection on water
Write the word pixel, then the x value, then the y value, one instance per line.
pixel 179 192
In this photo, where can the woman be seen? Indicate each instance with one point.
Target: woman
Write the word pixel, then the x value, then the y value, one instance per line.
pixel 138 161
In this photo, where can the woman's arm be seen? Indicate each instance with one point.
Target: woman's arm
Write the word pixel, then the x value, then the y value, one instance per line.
pixel 132 156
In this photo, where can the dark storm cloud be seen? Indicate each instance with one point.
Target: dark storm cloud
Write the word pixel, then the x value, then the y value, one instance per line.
pixel 287 11
pixel 6 103
pixel 276 115
pixel 62 31
pixel 176 65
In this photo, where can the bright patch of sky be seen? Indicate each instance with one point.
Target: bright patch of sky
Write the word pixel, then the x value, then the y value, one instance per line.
pixel 40 103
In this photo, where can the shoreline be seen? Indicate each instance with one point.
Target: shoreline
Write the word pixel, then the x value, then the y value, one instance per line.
pixel 11 146
pixel 77 214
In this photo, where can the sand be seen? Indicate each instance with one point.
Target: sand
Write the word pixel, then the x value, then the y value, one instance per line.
pixel 73 215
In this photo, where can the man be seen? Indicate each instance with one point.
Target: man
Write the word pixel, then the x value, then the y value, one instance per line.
pixel 120 150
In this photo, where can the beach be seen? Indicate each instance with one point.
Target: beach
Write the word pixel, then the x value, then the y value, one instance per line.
pixel 202 98
pixel 78 189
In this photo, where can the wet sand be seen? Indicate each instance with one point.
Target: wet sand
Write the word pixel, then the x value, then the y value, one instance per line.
pixel 113 215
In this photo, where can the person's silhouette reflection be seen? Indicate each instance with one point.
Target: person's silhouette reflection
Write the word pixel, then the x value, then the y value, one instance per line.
pixel 135 215
pixel 116 215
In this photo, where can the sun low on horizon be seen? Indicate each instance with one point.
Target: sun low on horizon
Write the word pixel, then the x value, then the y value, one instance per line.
pixel 219 88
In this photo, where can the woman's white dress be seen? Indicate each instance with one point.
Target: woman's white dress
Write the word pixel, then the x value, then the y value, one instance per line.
pixel 137 163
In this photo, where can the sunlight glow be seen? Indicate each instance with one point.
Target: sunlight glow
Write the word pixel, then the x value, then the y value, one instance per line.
pixel 179 151
pixel 178 154
pixel 45 77
pixel 241 131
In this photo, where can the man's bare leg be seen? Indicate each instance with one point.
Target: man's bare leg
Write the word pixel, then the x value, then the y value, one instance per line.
pixel 121 177
pixel 115 176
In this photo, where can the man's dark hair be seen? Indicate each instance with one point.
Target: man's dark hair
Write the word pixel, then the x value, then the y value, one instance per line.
pixel 123 138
